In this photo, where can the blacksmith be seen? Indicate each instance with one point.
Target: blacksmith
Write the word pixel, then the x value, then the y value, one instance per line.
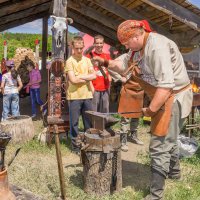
pixel 164 78
pixel 131 98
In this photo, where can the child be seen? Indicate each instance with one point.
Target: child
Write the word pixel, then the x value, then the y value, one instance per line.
pixel 34 84
pixel 10 86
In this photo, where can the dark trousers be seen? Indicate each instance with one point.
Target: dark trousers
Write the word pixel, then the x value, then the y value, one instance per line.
pixel 100 101
pixel 77 108
pixel 35 98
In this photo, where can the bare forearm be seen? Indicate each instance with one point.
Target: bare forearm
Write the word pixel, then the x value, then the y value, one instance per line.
pixel 160 97
pixel 88 77
pixel 116 65
pixel 20 85
pixel 77 81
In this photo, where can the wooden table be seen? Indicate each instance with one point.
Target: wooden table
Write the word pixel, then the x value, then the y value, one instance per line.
pixel 195 103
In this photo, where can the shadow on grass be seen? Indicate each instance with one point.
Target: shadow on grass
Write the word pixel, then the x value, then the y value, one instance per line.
pixel 198 152
pixel 73 165
pixel 135 175
pixel 77 179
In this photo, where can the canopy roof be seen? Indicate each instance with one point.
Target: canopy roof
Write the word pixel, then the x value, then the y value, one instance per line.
pixel 177 19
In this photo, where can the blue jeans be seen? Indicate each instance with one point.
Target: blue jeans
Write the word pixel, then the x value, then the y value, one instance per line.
pixel 77 108
pixel 35 98
pixel 10 101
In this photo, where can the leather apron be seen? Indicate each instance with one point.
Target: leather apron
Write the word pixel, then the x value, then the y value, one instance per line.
pixel 161 120
pixel 131 96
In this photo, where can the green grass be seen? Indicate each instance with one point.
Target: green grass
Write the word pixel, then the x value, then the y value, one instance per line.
pixel 35 169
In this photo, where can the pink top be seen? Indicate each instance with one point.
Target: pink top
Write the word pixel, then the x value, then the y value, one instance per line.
pixel 35 76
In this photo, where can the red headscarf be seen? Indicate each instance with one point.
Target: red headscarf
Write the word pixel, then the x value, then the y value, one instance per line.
pixel 127 28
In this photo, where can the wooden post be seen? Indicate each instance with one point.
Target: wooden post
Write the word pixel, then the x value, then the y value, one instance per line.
pixel 5 49
pixel 44 41
pixel 56 111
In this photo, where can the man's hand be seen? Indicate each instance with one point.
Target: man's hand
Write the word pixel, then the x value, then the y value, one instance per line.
pixel 98 59
pixel 147 112
pixel 94 62
pixel 123 80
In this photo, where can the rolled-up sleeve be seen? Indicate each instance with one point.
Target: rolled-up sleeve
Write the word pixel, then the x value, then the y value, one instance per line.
pixel 162 67
pixel 115 76
pixel 124 58
pixel 68 66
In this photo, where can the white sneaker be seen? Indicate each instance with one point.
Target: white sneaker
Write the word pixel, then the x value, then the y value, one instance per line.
pixel 124 147
pixel 135 139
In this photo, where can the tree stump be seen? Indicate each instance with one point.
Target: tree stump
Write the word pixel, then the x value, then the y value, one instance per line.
pixel 101 158
pixel 21 128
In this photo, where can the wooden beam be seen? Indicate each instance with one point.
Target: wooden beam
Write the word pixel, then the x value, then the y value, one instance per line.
pixel 94 14
pixel 124 13
pixel 177 11
pixel 22 21
pixel 25 13
pixel 51 8
pixel 3 1
pixel 44 41
pixel 93 26
pixel 22 5
pixel 91 32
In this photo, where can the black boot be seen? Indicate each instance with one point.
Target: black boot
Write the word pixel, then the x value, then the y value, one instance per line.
pixel 157 186
pixel 174 169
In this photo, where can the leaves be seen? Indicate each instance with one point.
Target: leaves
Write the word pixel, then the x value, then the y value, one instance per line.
pixel 15 40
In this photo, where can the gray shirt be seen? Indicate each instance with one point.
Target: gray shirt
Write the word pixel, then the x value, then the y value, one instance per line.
pixel 162 66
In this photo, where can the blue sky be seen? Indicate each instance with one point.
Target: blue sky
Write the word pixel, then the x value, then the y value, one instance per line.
pixel 36 26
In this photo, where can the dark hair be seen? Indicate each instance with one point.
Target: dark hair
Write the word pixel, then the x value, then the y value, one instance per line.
pixel 31 65
pixel 14 73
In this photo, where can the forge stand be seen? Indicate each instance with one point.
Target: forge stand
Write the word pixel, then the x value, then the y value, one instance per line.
pixel 101 157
